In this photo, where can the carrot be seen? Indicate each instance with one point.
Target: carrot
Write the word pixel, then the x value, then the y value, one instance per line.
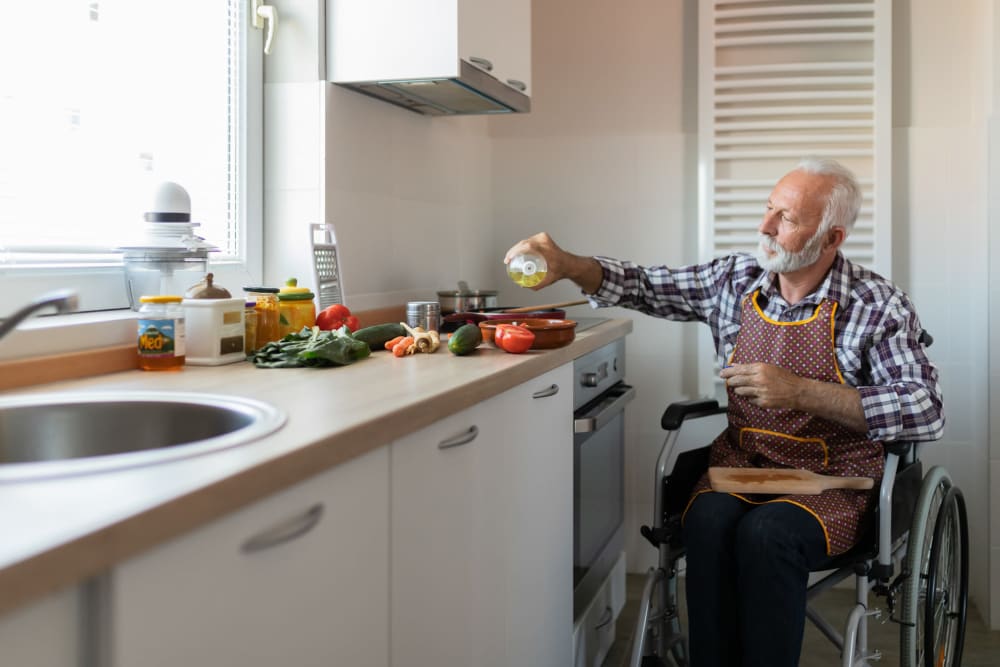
pixel 392 343
pixel 399 349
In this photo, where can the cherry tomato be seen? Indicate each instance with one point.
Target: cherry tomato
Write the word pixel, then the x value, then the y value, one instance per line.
pixel 513 338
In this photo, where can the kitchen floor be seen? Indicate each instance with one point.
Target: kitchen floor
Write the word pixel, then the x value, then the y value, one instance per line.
pixel 982 646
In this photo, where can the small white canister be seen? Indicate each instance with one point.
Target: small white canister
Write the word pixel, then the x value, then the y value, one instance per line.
pixel 214 325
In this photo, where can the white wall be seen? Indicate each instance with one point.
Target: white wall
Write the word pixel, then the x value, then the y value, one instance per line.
pixel 606 163
pixel 993 197
pixel 942 88
pixel 409 195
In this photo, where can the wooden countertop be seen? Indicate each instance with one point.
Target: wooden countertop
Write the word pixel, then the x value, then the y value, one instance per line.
pixel 61 531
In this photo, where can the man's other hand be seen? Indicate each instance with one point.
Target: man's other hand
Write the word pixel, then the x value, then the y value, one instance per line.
pixel 770 386
pixel 765 385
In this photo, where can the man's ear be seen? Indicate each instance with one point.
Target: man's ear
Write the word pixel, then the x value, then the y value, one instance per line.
pixel 836 237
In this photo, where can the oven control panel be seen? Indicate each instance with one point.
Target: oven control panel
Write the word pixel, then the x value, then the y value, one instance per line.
pixel 596 371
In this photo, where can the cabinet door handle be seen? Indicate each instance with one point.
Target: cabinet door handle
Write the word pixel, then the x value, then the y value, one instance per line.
pixel 606 618
pixel 548 391
pixel 286 531
pixel 461 439
pixel 516 83
pixel 481 62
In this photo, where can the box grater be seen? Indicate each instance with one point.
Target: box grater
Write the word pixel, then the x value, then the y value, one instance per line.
pixel 326 265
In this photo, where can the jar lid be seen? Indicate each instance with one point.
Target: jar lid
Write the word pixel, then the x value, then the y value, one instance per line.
pixel 292 292
pixel 160 299
pixel 304 295
pixel 206 289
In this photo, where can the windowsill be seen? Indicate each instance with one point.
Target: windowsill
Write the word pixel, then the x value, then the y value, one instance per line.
pixel 54 334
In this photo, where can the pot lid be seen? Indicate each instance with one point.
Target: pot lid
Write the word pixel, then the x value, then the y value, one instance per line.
pixel 475 292
pixel 463 290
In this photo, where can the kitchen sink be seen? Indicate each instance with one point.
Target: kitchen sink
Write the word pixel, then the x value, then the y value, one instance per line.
pixel 54 435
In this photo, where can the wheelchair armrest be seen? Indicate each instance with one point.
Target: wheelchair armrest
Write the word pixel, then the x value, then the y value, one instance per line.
pixel 900 449
pixel 676 413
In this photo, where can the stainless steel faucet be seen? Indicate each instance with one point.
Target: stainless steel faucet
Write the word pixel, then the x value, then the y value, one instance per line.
pixel 64 301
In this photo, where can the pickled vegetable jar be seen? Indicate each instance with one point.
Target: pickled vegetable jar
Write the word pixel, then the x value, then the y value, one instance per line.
pixel 266 306
pixel 296 308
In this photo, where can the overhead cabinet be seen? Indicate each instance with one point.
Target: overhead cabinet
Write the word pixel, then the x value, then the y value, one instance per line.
pixel 436 57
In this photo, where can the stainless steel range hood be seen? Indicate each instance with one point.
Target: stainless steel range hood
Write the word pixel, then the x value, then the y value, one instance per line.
pixel 472 92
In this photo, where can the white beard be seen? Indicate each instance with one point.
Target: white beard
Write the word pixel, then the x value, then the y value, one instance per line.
pixel 783 261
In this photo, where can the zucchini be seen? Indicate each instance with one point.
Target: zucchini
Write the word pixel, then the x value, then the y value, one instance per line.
pixel 378 335
pixel 465 339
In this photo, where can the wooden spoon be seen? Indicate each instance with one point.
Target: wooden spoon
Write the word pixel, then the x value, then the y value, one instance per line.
pixel 546 306
pixel 781 481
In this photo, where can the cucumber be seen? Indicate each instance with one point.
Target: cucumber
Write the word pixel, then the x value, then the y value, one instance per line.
pixel 465 339
pixel 376 336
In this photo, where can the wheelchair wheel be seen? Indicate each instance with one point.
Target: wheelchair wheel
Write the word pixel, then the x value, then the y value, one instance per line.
pixel 935 592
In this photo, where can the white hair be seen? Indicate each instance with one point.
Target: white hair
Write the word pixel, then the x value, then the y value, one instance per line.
pixel 844 202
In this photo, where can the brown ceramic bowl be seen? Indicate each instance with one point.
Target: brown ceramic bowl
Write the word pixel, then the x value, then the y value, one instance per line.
pixel 549 333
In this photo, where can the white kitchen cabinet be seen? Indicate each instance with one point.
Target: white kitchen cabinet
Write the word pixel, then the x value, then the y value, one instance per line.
pixel 482 533
pixel 499 32
pixel 377 40
pixel 298 578
pixel 43 633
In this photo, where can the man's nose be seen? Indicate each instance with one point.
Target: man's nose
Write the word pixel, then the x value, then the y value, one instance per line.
pixel 769 225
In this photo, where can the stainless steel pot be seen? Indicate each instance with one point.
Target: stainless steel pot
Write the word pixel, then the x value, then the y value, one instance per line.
pixel 461 300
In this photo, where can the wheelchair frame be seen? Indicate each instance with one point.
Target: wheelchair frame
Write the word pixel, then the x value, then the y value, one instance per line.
pixel 932 613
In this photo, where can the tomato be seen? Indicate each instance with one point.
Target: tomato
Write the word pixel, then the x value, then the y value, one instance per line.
pixel 338 310
pixel 352 323
pixel 328 322
pixel 334 317
pixel 513 338
pixel 498 333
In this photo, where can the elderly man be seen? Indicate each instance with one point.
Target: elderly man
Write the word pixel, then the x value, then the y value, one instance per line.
pixel 823 362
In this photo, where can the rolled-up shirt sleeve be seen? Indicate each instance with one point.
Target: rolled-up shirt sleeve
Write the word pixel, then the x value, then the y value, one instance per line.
pixel 682 293
pixel 903 401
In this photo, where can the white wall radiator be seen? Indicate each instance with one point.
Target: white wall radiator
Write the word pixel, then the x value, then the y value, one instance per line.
pixel 778 81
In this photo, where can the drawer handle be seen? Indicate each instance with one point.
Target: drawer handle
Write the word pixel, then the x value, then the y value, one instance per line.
pixel 286 531
pixel 545 393
pixel 516 83
pixel 481 62
pixel 461 439
pixel 606 618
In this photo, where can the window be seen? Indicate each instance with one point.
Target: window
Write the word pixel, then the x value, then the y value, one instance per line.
pixel 101 100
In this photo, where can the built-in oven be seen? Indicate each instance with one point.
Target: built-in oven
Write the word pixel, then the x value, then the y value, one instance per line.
pixel 599 399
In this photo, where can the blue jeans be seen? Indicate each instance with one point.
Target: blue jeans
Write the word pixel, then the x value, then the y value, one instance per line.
pixel 747 572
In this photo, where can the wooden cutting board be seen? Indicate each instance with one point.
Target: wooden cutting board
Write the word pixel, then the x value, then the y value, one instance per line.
pixel 780 481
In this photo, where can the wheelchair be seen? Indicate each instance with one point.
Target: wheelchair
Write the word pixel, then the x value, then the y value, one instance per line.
pixel 919 527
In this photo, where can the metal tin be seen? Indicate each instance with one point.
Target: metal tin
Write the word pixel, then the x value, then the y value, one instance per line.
pixel 426 314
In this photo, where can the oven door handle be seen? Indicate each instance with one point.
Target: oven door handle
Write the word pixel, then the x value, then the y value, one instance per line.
pixel 614 402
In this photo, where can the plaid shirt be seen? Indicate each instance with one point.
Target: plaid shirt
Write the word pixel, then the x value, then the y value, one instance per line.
pixel 877 333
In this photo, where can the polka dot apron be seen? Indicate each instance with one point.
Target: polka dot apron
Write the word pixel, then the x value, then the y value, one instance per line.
pixel 782 438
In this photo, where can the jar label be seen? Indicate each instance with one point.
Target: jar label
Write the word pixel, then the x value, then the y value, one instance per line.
pixel 161 338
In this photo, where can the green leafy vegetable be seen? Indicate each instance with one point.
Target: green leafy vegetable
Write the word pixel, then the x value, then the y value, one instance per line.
pixel 311 347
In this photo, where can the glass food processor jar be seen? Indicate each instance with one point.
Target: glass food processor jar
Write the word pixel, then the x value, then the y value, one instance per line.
pixel 170 257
